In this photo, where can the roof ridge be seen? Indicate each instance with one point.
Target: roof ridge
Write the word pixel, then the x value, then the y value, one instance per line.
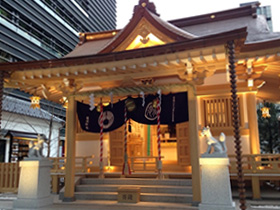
pixel 216 16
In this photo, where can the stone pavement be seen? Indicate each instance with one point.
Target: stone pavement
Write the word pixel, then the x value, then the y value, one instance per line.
pixel 6 203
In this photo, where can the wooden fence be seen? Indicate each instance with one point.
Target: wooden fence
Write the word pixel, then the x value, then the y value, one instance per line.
pixel 9 177
pixel 255 168
pixel 263 164
pixel 143 163
pixel 83 164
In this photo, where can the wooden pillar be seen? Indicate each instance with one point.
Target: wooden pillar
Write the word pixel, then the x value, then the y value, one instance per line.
pixel 253 123
pixel 55 184
pixel 254 138
pixel 256 188
pixel 194 145
pixel 70 150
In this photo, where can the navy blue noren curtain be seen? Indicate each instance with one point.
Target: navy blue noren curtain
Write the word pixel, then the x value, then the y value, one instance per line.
pixel 174 109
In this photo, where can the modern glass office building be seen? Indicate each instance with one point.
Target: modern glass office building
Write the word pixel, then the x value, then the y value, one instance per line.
pixel 263 10
pixel 47 29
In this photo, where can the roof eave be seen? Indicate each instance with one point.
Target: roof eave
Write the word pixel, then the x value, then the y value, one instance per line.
pixel 208 41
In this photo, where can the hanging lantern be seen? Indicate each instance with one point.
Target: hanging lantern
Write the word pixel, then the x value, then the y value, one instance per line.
pixel 265 112
pixel 130 104
pixel 250 83
pixel 64 102
pixel 35 102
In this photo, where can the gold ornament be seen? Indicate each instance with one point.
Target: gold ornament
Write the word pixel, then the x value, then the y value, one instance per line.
pixel 130 105
pixel 155 103
pixel 64 101
pixel 35 102
pixel 98 108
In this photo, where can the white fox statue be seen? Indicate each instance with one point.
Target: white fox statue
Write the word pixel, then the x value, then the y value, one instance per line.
pixel 219 146
pixel 36 151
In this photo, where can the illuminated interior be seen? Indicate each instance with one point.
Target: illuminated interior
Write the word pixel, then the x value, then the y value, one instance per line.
pixel 142 42
pixel 142 141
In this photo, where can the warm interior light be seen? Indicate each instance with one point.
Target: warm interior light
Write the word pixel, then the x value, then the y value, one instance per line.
pixel 142 42
pixel 35 102
pixel 110 168
pixel 261 167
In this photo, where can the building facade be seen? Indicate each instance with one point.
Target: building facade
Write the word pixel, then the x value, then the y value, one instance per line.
pixel 47 29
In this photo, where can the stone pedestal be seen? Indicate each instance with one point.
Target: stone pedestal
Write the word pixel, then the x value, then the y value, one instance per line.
pixel 128 194
pixel 215 184
pixel 34 184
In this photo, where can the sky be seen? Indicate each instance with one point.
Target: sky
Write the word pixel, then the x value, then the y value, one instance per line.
pixel 175 9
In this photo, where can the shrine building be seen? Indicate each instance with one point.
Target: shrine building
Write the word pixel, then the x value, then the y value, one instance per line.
pixel 143 93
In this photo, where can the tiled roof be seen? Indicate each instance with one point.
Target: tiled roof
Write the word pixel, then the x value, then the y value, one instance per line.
pixel 173 28
pixel 18 106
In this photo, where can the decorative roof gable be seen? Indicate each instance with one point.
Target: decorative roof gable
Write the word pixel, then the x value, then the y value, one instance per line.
pixel 145 29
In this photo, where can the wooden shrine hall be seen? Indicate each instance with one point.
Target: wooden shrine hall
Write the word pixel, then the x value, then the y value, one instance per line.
pixel 221 62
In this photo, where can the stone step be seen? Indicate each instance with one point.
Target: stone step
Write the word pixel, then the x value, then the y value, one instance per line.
pixel 166 198
pixel 145 197
pixel 144 188
pixel 114 205
pixel 136 181
pixel 113 196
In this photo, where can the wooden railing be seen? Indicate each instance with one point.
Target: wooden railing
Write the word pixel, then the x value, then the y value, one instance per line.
pixel 144 163
pixel 9 177
pixel 255 167
pixel 258 164
pixel 83 164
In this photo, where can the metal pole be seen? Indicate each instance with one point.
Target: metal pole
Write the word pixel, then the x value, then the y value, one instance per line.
pixel 236 124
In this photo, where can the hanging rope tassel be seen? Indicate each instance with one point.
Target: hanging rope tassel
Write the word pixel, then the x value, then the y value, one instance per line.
pixel 126 168
pixel 101 172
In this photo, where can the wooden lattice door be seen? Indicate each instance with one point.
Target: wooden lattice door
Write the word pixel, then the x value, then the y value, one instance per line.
pixel 183 144
pixel 117 146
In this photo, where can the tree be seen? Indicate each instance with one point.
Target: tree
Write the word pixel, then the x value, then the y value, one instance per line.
pixel 269 128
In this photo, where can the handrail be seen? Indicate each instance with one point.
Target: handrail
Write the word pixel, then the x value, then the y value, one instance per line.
pixel 257 164
pixel 145 161
pixel 82 164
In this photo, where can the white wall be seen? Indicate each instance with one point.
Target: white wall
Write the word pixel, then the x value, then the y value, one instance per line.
pixel 89 148
pixel 16 122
